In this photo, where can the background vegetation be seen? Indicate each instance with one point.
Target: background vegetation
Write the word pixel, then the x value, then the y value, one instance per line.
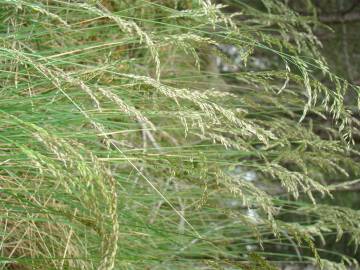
pixel 124 146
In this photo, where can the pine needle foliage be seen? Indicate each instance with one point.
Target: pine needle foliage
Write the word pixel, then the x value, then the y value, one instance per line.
pixel 123 148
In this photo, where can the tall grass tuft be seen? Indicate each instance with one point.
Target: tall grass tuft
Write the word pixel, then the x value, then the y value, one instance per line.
pixel 122 147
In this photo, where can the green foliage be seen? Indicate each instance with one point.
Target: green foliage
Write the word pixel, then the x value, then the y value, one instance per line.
pixel 120 149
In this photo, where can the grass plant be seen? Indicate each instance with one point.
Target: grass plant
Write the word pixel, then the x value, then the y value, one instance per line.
pixel 120 146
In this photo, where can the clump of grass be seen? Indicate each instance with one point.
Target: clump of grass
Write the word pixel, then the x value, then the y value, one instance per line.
pixel 118 143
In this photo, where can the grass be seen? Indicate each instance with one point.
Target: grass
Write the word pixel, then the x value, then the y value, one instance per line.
pixel 121 149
